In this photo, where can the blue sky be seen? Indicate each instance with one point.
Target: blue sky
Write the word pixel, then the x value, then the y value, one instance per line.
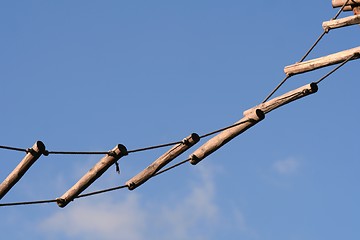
pixel 87 75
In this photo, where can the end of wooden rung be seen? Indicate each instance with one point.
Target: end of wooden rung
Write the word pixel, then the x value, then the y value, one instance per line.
pixel 356 10
pixel 39 148
pixel 225 136
pixel 284 99
pixel 61 202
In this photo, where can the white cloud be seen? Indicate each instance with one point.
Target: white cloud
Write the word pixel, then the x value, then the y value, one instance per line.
pixel 243 226
pixel 190 216
pixel 101 220
pixel 193 212
pixel 287 166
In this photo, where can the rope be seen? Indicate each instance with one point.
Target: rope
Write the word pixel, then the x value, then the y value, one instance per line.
pixel 163 145
pixel 313 46
pixel 222 129
pixel 324 33
pixel 74 153
pixel 154 147
pixel 13 148
pixel 26 203
pixel 171 167
pixel 46 153
pixel 91 193
pixel 101 191
pixel 277 87
pixel 341 9
pixel 307 53
pixel 335 69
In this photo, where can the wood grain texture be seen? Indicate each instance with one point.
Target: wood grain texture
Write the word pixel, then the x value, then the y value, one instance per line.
pixel 284 99
pixel 343 22
pixel 321 62
pixel 225 136
pixel 93 174
pixel 347 8
pixel 340 3
pixel 33 154
pixel 163 160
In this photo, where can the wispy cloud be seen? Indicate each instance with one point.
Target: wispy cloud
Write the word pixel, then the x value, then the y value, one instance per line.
pixel 134 217
pixel 287 166
pixel 105 220
pixel 193 212
pixel 242 224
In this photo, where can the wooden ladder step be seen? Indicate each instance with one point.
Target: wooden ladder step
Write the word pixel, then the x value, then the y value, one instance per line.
pixel 284 99
pixel 321 62
pixel 94 173
pixel 225 136
pixel 339 23
pixel 32 155
pixel 164 159
pixel 340 3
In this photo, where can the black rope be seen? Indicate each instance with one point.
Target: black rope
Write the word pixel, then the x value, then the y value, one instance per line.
pixel 75 153
pixel 222 129
pixel 323 34
pixel 90 193
pixel 46 153
pixel 307 53
pixel 171 167
pixel 27 203
pixel 13 148
pixel 277 87
pixel 173 143
pixel 341 9
pixel 102 152
pixel 337 68
pixel 124 186
pixel 154 147
pixel 101 191
pixel 313 46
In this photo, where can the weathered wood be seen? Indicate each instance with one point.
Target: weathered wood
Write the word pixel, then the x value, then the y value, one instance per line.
pixel 321 62
pixel 284 99
pixel 340 3
pixel 356 10
pixel 32 155
pixel 343 22
pixel 347 8
pixel 167 157
pixel 225 136
pixel 94 173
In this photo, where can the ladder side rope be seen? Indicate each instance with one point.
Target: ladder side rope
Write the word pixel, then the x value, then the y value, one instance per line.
pixel 158 173
pixel 307 53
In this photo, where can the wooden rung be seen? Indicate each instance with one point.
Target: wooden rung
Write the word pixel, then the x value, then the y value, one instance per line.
pixel 340 3
pixel 225 136
pixel 321 62
pixel 343 22
pixel 167 157
pixel 94 173
pixel 284 99
pixel 32 155
pixel 347 8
